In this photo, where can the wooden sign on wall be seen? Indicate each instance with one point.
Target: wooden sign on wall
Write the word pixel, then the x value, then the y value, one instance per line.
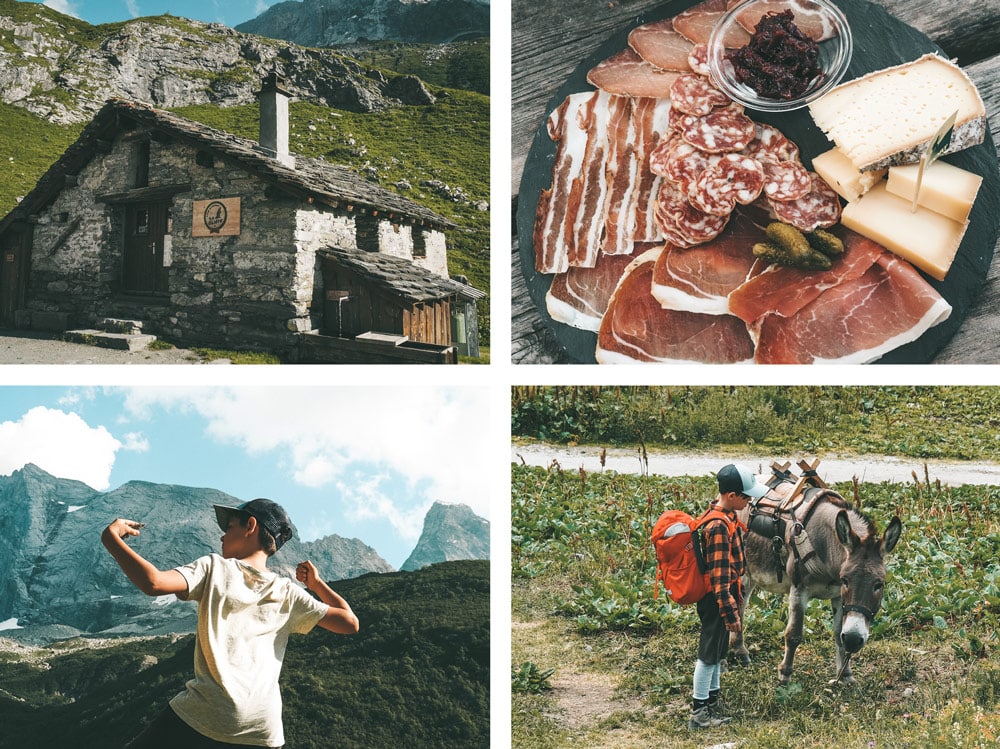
pixel 219 217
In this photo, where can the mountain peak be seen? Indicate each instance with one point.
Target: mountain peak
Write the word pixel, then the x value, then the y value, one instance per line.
pixel 451 531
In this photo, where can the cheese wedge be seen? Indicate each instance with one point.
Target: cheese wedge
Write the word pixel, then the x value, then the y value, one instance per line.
pixel 925 238
pixel 838 172
pixel 945 189
pixel 888 117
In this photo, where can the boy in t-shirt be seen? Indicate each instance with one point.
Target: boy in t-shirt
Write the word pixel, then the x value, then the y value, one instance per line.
pixel 245 614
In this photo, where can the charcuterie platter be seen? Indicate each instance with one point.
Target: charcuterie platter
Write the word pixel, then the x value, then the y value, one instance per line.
pixel 880 42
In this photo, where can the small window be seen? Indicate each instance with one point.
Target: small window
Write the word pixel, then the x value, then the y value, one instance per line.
pixel 419 242
pixel 205 159
pixel 140 163
pixel 142 222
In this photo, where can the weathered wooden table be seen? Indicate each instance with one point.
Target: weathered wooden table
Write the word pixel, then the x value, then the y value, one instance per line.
pixel 551 37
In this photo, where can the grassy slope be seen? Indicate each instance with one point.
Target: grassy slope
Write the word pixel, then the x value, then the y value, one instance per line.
pixel 416 675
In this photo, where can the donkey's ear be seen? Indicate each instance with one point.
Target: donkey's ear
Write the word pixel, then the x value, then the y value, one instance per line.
pixel 891 536
pixel 844 531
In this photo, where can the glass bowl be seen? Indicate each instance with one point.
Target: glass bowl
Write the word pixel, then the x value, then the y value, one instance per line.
pixel 834 54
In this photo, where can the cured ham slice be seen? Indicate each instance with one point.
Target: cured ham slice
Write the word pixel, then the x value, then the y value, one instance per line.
pixel 700 279
pixel 784 291
pixel 811 19
pixel 627 74
pixel 697 22
pixel 658 44
pixel 636 328
pixel 579 297
pixel 857 321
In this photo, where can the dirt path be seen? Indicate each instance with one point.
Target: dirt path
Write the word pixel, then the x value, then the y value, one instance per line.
pixel 868 468
pixel 25 347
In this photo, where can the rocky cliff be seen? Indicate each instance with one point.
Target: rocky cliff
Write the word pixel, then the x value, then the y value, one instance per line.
pixel 64 69
pixel 50 539
pixel 450 532
pixel 327 23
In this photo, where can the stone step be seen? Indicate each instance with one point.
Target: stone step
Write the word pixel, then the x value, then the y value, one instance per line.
pixel 120 341
pixel 119 325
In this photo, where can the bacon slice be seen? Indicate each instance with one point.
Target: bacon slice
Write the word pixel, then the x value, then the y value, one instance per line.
pixel 857 321
pixel 658 44
pixel 579 297
pixel 636 328
pixel 700 279
pixel 810 17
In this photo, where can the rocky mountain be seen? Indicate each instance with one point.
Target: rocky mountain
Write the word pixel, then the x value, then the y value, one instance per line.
pixel 327 23
pixel 451 531
pixel 64 69
pixel 60 574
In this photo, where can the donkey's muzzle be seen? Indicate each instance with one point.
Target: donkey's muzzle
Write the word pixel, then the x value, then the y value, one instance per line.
pixel 853 642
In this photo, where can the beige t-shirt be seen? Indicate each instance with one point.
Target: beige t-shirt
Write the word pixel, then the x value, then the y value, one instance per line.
pixel 244 619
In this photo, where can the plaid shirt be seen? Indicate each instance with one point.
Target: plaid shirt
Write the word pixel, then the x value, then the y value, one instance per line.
pixel 725 564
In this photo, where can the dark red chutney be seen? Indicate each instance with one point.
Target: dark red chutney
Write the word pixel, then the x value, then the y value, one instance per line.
pixel 780 61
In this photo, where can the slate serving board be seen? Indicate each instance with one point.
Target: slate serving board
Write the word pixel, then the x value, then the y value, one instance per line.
pixel 880 41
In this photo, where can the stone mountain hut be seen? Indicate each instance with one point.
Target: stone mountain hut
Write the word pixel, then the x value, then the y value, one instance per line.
pixel 151 221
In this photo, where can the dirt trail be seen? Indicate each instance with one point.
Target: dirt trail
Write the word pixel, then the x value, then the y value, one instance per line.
pixel 868 468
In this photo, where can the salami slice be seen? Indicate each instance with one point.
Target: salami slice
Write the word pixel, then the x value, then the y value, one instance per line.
pixel 695 94
pixel 659 158
pixel 786 180
pixel 682 224
pixel 686 163
pixel 770 145
pixel 734 179
pixel 723 130
pixel 820 208
pixel 698 59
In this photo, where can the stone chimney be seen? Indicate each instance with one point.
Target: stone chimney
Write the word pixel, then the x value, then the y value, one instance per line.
pixel 274 98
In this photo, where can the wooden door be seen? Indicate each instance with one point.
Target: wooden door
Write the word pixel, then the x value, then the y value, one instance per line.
pixel 15 250
pixel 143 271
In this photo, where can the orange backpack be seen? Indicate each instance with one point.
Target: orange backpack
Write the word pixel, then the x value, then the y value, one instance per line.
pixel 679 561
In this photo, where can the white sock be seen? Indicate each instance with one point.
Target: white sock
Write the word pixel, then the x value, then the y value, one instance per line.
pixel 702 679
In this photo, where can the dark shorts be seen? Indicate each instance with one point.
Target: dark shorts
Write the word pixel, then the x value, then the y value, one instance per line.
pixel 713 643
pixel 168 731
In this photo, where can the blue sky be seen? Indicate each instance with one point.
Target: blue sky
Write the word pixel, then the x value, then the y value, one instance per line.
pixel 362 462
pixel 228 12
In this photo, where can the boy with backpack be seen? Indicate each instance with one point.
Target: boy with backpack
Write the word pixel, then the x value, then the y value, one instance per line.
pixel 245 615
pixel 719 609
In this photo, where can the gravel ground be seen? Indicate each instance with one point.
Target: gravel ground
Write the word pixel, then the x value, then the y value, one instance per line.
pixel 28 347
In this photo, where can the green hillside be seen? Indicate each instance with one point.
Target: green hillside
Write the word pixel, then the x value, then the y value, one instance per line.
pixel 458 65
pixel 417 674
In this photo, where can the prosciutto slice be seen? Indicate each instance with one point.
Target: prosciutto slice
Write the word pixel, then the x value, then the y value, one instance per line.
pixel 697 22
pixel 636 328
pixel 627 74
pixel 857 321
pixel 809 17
pixel 701 278
pixel 658 44
pixel 783 291
pixel 579 297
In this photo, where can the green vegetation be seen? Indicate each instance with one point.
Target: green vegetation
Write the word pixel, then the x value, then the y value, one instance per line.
pixel 464 65
pixel 236 357
pixel 24 160
pixel 417 675
pixel 583 572
pixel 923 422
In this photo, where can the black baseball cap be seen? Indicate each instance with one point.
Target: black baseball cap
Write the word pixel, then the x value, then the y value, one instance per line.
pixel 740 479
pixel 269 514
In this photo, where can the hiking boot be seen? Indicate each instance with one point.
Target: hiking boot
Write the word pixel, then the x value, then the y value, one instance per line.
pixel 703 718
pixel 717 710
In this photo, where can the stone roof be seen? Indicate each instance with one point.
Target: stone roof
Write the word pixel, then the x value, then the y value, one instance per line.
pixel 311 179
pixel 400 276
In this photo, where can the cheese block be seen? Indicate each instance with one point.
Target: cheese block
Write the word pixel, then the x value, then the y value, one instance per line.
pixel 838 172
pixel 945 188
pixel 889 117
pixel 925 238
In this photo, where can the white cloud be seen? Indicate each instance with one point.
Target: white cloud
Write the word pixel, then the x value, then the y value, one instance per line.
pixel 135 442
pixel 365 499
pixel 260 7
pixel 63 6
pixel 60 443
pixel 133 8
pixel 436 437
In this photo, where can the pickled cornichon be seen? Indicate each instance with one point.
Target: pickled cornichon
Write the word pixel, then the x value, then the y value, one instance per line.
pixel 787 245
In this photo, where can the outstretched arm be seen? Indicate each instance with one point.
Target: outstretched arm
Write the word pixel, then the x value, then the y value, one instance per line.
pixel 339 617
pixel 143 574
